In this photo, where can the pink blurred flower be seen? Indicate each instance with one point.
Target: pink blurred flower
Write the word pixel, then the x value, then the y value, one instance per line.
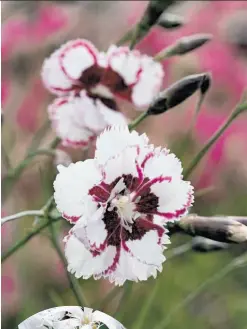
pixel 29 110
pixel 10 289
pixel 20 32
pixel 217 157
pixel 5 91
pixel 51 19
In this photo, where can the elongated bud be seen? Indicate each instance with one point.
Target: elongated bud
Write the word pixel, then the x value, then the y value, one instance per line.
pixel 179 91
pixel 170 21
pixel 217 228
pixel 205 83
pixel 201 244
pixel 184 46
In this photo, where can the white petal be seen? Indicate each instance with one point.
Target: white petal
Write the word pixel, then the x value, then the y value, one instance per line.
pixel 149 82
pixel 126 63
pixel 72 185
pixel 53 76
pixel 122 164
pixel 147 250
pixel 114 140
pixel 69 118
pixel 107 320
pixel 163 163
pixel 130 268
pixel 77 56
pixel 95 228
pixel 173 197
pixel 111 117
pixel 82 263
pixel 67 324
pixel 49 316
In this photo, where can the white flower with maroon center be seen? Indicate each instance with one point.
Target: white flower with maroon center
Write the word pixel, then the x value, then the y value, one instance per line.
pixel 70 317
pixel 119 72
pixel 78 120
pixel 120 202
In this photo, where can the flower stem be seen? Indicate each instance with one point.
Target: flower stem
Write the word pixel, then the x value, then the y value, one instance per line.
pixel 101 305
pixel 126 37
pixel 22 214
pixel 138 120
pixel 237 262
pixel 28 237
pixel 55 143
pixel 149 301
pixel 38 137
pixel 75 287
pixel 5 158
pixel 123 302
pixel 150 18
pixel 236 112
pixel 9 180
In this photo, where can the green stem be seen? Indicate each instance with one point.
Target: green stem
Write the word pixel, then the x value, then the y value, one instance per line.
pixel 237 111
pixel 9 180
pixel 75 287
pixel 123 302
pixel 22 214
pixel 38 137
pixel 164 54
pixel 55 143
pixel 149 301
pixel 239 261
pixel 138 120
pixel 21 243
pixel 127 37
pixel 101 305
pixel 150 18
pixel 5 158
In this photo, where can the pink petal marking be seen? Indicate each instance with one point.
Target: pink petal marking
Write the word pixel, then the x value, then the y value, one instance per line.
pixel 139 171
pixel 126 50
pixel 68 142
pixel 147 157
pixel 113 266
pixel 149 183
pixel 178 213
pixel 71 219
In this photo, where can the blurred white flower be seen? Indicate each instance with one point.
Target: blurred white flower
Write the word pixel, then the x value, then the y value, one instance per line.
pixel 78 120
pixel 121 201
pixel 120 72
pixel 70 317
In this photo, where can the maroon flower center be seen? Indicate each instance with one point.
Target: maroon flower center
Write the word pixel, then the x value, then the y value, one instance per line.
pixel 109 81
pixel 138 211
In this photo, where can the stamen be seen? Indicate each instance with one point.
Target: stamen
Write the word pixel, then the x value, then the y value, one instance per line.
pixel 102 91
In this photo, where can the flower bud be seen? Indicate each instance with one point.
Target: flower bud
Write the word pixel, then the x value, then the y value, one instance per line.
pixel 179 91
pixel 187 44
pixel 184 46
pixel 218 228
pixel 170 21
pixel 201 244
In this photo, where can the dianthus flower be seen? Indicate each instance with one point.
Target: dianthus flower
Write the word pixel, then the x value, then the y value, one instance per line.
pixel 120 202
pixel 70 317
pixel 120 72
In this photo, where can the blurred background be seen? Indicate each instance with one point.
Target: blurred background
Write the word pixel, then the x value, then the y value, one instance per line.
pixel 33 279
